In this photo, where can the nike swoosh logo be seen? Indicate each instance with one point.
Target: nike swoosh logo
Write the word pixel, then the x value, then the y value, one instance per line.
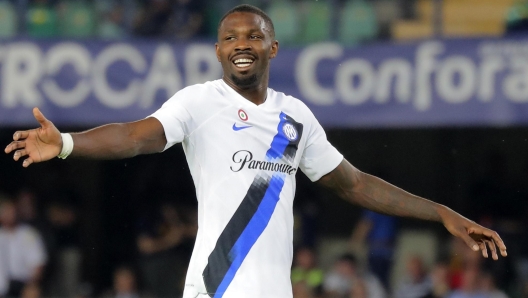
pixel 237 128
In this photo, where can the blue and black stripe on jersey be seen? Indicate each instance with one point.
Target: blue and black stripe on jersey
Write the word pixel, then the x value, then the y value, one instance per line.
pixel 252 215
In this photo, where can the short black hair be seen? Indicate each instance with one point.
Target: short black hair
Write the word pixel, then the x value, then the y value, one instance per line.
pixel 6 199
pixel 349 258
pixel 251 9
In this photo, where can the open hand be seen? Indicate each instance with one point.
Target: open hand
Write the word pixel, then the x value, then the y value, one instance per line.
pixel 476 236
pixel 39 144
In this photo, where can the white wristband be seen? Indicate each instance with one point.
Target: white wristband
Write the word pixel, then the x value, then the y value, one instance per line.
pixel 67 145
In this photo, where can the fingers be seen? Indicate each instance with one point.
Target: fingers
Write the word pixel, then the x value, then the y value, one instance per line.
pixel 483 249
pixel 483 245
pixel 493 249
pixel 28 161
pixel 469 241
pixel 40 117
pixel 14 145
pixel 488 239
pixel 19 153
pixel 498 241
pixel 495 238
pixel 20 135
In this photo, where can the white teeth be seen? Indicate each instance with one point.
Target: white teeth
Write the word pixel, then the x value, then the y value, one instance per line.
pixel 243 65
pixel 243 61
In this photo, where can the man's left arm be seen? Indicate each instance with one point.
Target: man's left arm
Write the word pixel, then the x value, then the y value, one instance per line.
pixel 377 195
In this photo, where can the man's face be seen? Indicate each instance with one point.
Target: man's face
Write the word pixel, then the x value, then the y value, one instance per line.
pixel 7 214
pixel 245 46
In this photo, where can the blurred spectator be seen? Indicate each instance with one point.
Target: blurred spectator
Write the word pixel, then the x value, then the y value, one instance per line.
pixel 165 244
pixel 67 257
pixel 378 232
pixel 488 286
pixel 181 19
pixel 28 213
pixel 31 291
pixel 359 290
pixel 187 19
pixel 440 280
pixel 22 254
pixel 152 18
pixel 305 271
pixel 26 207
pixel 461 259
pixel 124 285
pixel 345 276
pixel 301 290
pixel 111 23
pixel 417 283
pixel 470 285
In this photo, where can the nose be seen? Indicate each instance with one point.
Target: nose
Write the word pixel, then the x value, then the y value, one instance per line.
pixel 242 45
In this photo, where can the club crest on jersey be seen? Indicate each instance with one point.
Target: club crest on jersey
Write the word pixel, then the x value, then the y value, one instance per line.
pixel 242 115
pixel 290 131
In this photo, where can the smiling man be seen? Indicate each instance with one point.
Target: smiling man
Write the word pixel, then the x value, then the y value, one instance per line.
pixel 244 142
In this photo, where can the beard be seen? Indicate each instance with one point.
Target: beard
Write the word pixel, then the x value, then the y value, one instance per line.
pixel 246 82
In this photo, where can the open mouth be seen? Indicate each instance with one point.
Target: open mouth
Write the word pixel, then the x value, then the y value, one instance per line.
pixel 243 62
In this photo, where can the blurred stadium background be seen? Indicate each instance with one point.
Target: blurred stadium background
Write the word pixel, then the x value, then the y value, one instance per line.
pixel 430 95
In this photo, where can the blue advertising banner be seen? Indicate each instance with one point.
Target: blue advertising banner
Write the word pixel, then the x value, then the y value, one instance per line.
pixel 476 82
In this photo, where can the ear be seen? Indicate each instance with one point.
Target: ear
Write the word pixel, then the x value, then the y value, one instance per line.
pixel 217 50
pixel 274 49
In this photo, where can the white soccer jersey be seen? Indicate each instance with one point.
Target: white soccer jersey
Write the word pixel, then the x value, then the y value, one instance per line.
pixel 243 159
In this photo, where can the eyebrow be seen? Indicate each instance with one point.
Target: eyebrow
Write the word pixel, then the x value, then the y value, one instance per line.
pixel 250 31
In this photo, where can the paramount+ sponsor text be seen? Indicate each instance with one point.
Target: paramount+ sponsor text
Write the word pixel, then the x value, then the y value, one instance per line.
pixel 244 159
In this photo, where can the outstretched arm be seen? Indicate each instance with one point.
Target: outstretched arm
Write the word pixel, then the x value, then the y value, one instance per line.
pixel 375 194
pixel 112 141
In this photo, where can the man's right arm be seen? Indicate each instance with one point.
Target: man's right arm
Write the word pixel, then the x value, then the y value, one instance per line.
pixel 112 141
pixel 120 140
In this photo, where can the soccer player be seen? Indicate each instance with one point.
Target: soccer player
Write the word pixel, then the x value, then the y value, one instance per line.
pixel 244 142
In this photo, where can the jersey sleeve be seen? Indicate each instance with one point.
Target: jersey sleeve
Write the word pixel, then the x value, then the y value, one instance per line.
pixel 175 119
pixel 319 156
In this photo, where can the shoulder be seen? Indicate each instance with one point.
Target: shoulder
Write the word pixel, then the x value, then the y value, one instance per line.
pixel 290 104
pixel 197 91
pixel 192 99
pixel 27 230
pixel 27 233
pixel 284 99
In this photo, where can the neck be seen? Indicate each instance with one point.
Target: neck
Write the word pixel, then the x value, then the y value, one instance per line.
pixel 256 93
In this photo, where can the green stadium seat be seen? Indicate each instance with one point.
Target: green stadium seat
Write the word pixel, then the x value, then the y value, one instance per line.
pixel 317 21
pixel 357 22
pixel 77 19
pixel 41 21
pixel 8 20
pixel 285 20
